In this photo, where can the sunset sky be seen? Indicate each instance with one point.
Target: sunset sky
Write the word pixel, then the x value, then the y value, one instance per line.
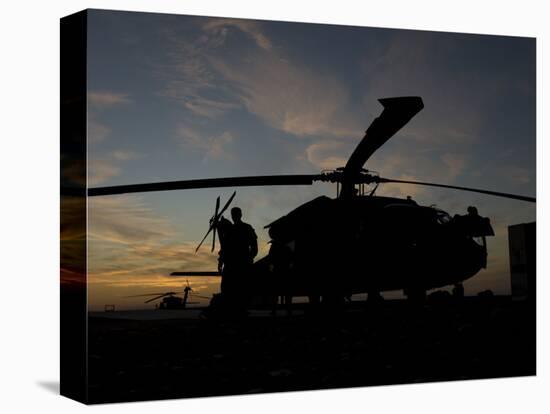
pixel 177 97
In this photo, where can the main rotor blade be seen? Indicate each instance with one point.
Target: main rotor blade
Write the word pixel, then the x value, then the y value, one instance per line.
pixel 397 112
pixel 250 181
pixel 454 187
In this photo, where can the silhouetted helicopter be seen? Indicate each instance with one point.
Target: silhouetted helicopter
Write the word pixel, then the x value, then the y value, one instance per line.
pixel 170 300
pixel 357 242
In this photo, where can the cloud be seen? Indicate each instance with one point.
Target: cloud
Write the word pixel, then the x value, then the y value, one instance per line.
pixel 125 219
pixel 208 107
pixel 106 99
pixel 211 147
pixel 99 101
pixel 191 80
pixel 148 259
pixel 97 131
pixel 455 164
pixel 288 96
pixel 100 171
pixel 515 175
pixel 327 155
pixel 124 155
pixel 218 29
pixel 103 169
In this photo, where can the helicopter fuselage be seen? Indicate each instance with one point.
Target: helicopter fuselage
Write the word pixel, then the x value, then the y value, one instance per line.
pixel 346 246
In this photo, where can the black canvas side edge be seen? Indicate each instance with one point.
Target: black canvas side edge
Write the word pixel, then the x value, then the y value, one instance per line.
pixel 73 261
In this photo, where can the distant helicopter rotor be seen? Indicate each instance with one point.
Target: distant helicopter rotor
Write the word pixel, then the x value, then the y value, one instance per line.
pixel 156 296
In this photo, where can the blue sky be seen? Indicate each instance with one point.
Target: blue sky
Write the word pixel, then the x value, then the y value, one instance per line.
pixel 178 97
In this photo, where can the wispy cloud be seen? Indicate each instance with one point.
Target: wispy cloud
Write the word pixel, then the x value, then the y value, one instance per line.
pixel 285 94
pixel 97 131
pixel 288 96
pixel 125 155
pixel 326 155
pixel 455 165
pixel 125 219
pixel 210 147
pixel 217 30
pixel 98 102
pixel 106 99
pixel 100 171
pixel 207 107
pixel 190 79
pixel 103 169
pixel 138 261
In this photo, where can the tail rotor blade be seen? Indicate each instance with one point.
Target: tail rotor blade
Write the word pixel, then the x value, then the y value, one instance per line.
pixel 203 239
pixel 226 205
pixel 212 224
pixel 215 219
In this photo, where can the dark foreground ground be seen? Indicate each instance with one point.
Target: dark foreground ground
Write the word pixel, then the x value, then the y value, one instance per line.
pixel 391 344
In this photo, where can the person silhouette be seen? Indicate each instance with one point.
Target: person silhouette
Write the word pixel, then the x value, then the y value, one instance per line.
pixel 239 247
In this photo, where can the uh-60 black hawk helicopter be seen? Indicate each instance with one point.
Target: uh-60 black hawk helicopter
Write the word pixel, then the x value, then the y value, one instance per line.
pixel 357 242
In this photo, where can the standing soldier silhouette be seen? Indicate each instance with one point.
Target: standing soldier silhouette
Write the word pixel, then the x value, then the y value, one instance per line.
pixel 239 247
